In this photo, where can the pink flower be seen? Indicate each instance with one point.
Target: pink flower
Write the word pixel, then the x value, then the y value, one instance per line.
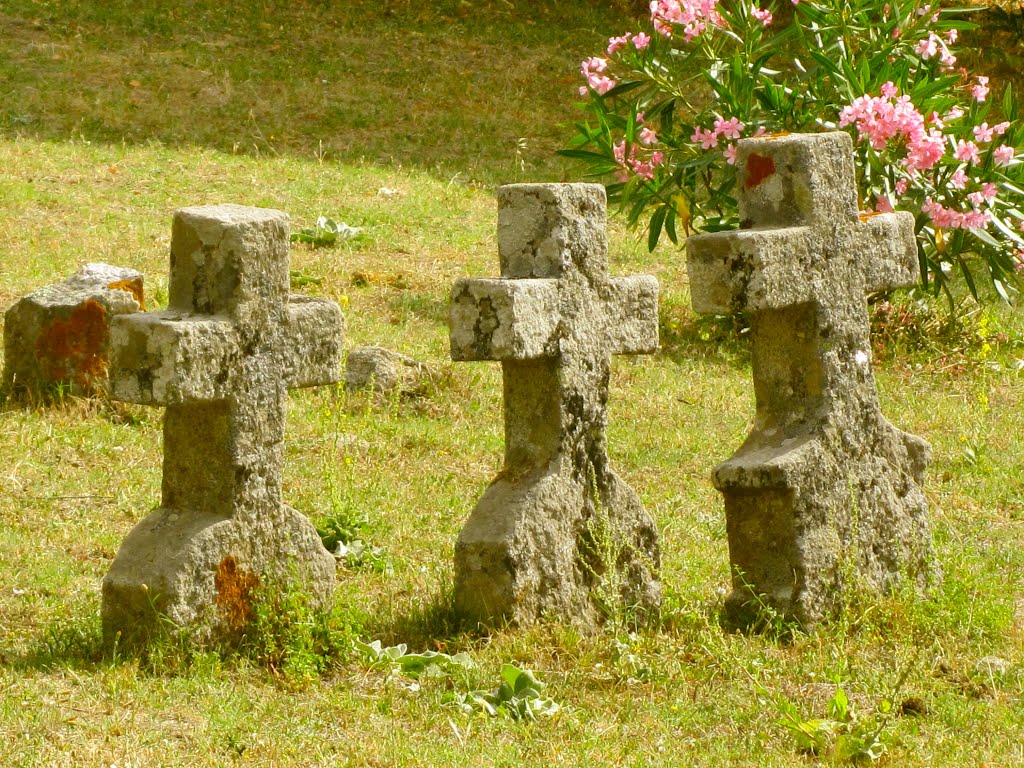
pixel 616 44
pixel 889 89
pixel 966 152
pixel 954 113
pixel 1000 128
pixel 958 180
pixel 762 15
pixel 761 131
pixel 989 190
pixel 976 199
pixel 641 41
pixel 883 205
pixel 983 132
pixel 691 16
pixel 928 47
pixel 1003 155
pixel 648 137
pixel 729 153
pixel 591 69
pixel 657 158
pixel 707 139
pixel 980 91
pixel 952 35
pixel 729 129
pixel 901 186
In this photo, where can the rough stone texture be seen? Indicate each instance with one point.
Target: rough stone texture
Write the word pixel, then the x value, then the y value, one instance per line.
pixel 221 359
pixel 825 494
pixel 56 339
pixel 382 370
pixel 557 523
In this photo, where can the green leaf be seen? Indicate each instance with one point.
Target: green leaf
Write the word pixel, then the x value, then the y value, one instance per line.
pixel 654 233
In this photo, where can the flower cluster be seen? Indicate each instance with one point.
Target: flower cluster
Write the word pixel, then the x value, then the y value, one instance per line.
pixel 882 119
pixel 929 135
pixel 693 16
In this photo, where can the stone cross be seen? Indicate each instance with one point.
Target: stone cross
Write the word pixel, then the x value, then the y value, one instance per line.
pixel 557 533
pixel 221 359
pixel 824 497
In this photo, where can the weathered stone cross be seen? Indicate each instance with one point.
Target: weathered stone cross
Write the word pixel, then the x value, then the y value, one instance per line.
pixel 221 359
pixel 557 523
pixel 824 496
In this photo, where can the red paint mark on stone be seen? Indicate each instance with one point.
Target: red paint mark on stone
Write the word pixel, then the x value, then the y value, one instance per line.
pixel 758 169
pixel 234 597
pixel 76 349
pixel 134 287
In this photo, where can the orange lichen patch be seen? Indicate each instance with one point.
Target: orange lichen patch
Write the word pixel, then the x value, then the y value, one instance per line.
pixel 134 287
pixel 865 215
pixel 234 588
pixel 75 349
pixel 758 169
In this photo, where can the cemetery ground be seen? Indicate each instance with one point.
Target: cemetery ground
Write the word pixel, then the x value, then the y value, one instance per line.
pixel 401 120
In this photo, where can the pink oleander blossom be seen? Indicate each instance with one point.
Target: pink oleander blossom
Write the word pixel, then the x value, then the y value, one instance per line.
pixel 707 139
pixel 592 70
pixel 959 179
pixel 983 133
pixel 616 44
pixel 761 14
pixel 980 90
pixel 691 16
pixel 966 152
pixel 648 137
pixel 889 89
pixel 729 153
pixel 1000 128
pixel 948 218
pixel 901 186
pixel 883 205
pixel 641 41
pixel 728 129
pixel 1003 155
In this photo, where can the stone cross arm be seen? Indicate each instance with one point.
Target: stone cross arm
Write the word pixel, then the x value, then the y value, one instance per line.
pixel 313 342
pixel 755 269
pixel 521 319
pixel 171 358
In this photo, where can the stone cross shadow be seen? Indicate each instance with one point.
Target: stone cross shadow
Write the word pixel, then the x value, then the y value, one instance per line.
pixel 824 497
pixel 221 359
pixel 557 533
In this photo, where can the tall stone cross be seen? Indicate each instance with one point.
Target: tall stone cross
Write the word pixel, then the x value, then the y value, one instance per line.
pixel 221 359
pixel 825 495
pixel 557 533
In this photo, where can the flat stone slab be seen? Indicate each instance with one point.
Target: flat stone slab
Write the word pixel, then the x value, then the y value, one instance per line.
pixel 824 498
pixel 221 359
pixel 57 339
pixel 558 534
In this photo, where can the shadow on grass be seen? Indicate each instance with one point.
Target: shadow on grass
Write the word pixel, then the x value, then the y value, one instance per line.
pixel 482 90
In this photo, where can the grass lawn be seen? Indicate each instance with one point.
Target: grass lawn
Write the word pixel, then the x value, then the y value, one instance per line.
pixel 402 118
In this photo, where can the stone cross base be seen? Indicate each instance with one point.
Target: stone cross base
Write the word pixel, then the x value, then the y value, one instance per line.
pixel 809 526
pixel 537 547
pixel 201 571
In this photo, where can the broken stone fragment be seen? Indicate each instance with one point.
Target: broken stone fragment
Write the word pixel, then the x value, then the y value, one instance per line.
pixel 57 340
pixel 385 371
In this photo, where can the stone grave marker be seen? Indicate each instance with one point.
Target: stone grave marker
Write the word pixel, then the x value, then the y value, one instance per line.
pixel 57 339
pixel 221 359
pixel 557 523
pixel 824 496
